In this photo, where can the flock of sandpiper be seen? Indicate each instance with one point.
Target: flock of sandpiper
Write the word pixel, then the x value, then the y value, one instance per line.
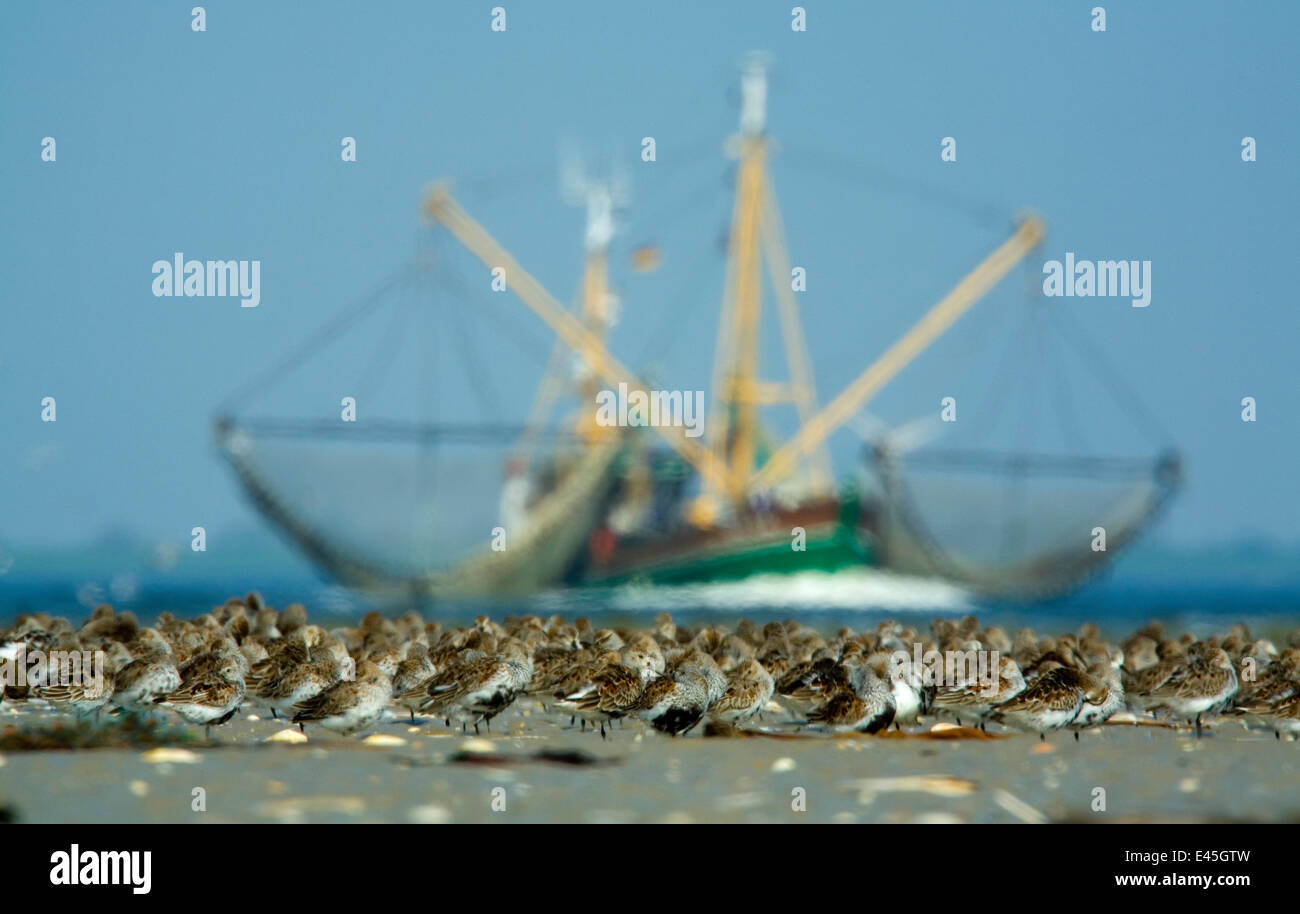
pixel 672 677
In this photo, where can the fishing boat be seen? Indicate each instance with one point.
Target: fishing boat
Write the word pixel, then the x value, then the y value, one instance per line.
pixel 547 502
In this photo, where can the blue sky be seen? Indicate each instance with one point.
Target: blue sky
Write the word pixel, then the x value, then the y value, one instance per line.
pixel 225 144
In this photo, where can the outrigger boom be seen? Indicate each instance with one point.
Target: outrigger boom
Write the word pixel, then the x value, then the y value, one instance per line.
pixel 938 319
pixel 615 510
pixel 440 206
pixel 717 476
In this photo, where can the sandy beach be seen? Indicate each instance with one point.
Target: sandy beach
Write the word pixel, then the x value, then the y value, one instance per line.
pixel 535 769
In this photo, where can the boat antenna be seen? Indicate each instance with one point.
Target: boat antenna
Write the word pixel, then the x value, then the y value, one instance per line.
pixel 601 197
pixel 753 94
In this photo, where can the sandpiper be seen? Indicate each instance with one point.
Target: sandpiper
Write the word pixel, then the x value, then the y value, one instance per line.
pixel 1207 683
pixel 810 684
pixel 349 706
pixel 553 663
pixel 975 700
pixel 303 682
pixel 481 688
pixel 907 682
pixel 609 690
pixel 1277 681
pixel 1284 716
pixel 84 696
pixel 703 665
pixel 575 682
pixel 865 704
pixel 211 697
pixel 152 673
pixel 1050 702
pixel 413 672
pixel 1100 705
pixel 282 656
pixel 674 701
pixel 749 689
pixel 1140 683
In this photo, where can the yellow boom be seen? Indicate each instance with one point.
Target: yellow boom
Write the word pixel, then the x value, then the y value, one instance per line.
pixel 939 318
pixel 803 390
pixel 440 206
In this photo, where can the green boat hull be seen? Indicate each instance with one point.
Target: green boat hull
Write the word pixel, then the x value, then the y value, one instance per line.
pixel 826 547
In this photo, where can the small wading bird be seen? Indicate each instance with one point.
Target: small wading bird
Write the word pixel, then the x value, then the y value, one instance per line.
pixel 210 697
pixel 350 706
pixel 667 675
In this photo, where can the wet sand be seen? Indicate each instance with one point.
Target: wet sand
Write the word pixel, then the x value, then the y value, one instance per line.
pixel 436 776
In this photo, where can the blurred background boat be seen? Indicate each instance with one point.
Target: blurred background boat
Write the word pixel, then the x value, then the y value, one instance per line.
pixel 505 505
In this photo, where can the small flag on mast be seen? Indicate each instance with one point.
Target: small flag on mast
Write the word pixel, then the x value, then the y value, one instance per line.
pixel 646 257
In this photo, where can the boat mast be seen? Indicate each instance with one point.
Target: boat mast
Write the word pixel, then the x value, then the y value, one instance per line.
pixel 726 462
pixel 599 199
pixel 739 388
pixel 738 391
pixel 756 235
